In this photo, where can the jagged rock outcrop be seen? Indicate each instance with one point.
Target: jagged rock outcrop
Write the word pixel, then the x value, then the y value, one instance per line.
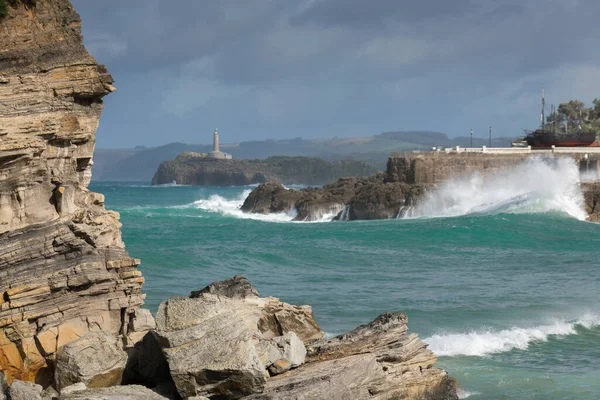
pixel 222 341
pixel 131 392
pixel 347 199
pixel 64 270
pixel 226 342
pixel 193 169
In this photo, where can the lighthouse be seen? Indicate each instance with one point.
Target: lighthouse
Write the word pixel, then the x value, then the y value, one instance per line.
pixel 217 153
pixel 216 141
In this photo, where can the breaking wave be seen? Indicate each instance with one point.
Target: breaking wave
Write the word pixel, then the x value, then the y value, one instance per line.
pixel 232 207
pixel 534 186
pixel 493 342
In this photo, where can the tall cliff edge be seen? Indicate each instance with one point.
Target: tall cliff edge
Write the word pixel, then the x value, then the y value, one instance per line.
pixel 64 270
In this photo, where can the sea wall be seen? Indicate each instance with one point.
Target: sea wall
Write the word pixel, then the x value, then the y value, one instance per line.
pixel 434 167
pixel 64 270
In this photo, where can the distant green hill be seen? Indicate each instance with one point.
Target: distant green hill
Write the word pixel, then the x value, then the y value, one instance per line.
pixel 139 164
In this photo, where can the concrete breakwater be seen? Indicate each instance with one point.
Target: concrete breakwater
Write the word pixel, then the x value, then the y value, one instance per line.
pixel 412 179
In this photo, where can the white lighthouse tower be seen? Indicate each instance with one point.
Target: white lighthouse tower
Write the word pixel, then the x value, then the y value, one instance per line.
pixel 217 153
pixel 216 141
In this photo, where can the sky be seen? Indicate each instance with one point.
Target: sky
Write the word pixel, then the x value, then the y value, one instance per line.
pixel 272 69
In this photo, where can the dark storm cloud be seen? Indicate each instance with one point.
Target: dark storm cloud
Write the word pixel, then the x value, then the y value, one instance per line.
pixel 271 68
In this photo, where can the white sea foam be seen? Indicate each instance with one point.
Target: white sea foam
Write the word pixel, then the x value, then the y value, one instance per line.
pixel 232 207
pixel 491 342
pixel 465 394
pixel 534 186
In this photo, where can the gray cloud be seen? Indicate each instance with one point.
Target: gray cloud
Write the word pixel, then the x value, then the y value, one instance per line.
pixel 270 68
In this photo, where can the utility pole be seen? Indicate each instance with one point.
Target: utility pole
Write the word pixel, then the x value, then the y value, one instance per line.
pixel 471 138
pixel 490 144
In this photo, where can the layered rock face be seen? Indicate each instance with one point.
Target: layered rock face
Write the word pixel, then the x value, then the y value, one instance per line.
pixel 227 342
pixel 64 270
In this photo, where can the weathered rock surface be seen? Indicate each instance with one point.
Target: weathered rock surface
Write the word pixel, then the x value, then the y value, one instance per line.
pixel 20 390
pixel 271 197
pixel 97 360
pixel 131 392
pixel 194 169
pixel 347 199
pixel 375 361
pixel 64 270
pixel 220 341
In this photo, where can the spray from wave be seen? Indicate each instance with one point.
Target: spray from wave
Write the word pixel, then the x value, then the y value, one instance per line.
pixel 232 208
pixel 535 186
pixel 492 342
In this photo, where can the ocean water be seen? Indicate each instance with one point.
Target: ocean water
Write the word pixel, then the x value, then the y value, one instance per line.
pixel 498 275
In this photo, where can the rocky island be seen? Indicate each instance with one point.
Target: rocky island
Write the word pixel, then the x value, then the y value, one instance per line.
pixel 197 169
pixel 71 322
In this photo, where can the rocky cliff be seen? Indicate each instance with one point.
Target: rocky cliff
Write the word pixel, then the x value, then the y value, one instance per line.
pixel 64 270
pixel 194 169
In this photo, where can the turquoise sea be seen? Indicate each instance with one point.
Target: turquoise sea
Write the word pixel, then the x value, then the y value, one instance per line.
pixel 508 295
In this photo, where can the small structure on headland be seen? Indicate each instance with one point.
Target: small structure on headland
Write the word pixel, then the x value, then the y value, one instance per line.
pixel 216 153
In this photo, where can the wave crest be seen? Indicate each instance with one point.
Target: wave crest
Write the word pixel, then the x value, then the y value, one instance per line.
pixel 493 342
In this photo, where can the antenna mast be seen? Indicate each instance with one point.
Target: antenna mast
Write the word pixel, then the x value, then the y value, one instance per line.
pixel 543 108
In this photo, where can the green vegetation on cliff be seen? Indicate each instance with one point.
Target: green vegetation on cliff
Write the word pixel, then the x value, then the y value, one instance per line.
pixel 194 169
pixel 5 3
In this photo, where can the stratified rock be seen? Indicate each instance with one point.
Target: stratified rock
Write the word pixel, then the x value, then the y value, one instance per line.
pixel 64 270
pixel 209 347
pixel 220 342
pixel 140 323
pixel 132 392
pixel 20 390
pixel 96 359
pixel 375 361
pixel 238 287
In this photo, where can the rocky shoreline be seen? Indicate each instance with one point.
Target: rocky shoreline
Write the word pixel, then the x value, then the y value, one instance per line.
pixel 196 169
pixel 386 195
pixel 227 342
pixel 71 322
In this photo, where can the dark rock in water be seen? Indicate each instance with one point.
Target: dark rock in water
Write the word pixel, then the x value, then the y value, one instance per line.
pixel 237 287
pixel 270 198
pixel 379 200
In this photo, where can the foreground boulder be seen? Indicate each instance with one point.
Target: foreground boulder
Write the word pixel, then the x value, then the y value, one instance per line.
pixel 97 360
pixel 132 392
pixel 223 341
pixel 375 361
